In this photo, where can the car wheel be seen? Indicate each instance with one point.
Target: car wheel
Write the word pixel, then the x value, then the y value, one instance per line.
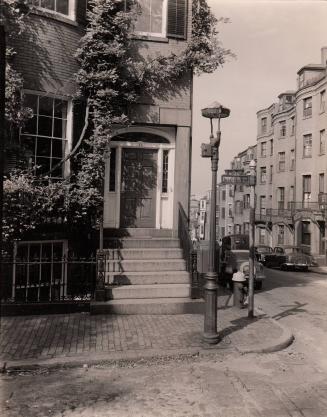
pixel 283 267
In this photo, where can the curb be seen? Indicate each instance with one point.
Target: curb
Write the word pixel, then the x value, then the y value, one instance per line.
pixel 285 340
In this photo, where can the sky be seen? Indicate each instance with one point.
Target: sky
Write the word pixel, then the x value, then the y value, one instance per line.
pixel 272 40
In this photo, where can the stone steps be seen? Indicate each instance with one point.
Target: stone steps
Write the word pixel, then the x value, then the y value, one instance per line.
pixel 145 265
pixel 148 278
pixel 146 253
pixel 148 291
pixel 145 275
pixel 148 306
pixel 134 243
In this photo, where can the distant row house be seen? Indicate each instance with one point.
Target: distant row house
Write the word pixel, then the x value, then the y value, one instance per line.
pixel 291 191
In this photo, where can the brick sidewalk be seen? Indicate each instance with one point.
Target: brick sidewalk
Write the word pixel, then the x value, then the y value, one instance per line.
pixel 79 334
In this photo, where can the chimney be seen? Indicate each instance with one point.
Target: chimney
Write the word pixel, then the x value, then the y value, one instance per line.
pixel 324 55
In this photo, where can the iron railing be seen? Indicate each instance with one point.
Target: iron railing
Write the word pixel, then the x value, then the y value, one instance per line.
pixel 48 280
pixel 189 252
pixel 307 205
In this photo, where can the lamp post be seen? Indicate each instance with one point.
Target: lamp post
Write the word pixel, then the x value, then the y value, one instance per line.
pixel 211 150
pixel 252 183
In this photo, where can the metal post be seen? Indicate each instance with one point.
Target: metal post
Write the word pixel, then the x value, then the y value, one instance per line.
pixel 210 335
pixel 252 182
pixel 210 288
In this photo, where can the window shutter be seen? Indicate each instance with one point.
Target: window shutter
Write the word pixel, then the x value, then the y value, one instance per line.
pixel 176 19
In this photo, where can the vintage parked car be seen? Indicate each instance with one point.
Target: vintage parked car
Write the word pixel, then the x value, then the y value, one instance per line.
pixel 261 251
pixel 290 258
pixel 234 256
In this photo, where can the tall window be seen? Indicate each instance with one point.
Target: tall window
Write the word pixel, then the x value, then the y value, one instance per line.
pixel 165 171
pixel 59 6
pixel 322 100
pixel 307 107
pixel 281 198
pixel 271 147
pixel 112 170
pixel 292 160
pixel 307 146
pixel 293 126
pixel 282 128
pixel 238 207
pixel 280 234
pixel 231 191
pixel 306 197
pixel 281 161
pixel 223 195
pixel 263 175
pixel 230 210
pixel 291 193
pixel 322 142
pixel 264 125
pixel 306 233
pixel 223 213
pixel 246 201
pixel 321 183
pixel 44 136
pixel 263 149
pixel 222 231
pixel 262 204
pixel 262 234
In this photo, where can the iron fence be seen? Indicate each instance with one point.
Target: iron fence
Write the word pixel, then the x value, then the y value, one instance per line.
pixel 48 279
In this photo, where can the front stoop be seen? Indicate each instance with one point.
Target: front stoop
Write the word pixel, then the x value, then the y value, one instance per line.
pixel 146 275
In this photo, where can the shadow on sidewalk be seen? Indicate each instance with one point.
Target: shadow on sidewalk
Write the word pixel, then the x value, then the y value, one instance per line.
pixel 239 324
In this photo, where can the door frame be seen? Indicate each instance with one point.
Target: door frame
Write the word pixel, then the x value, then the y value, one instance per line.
pixel 160 147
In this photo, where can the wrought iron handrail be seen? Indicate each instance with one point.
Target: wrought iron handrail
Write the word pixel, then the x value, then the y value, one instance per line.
pixel 189 252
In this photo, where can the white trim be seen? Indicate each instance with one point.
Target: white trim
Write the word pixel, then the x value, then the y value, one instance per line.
pixel 159 187
pixel 144 129
pixel 72 5
pixel 118 184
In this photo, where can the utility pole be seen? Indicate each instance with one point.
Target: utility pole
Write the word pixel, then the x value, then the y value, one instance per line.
pixel 252 183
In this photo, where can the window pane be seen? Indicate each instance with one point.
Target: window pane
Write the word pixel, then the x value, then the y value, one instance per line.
pixel 143 20
pixel 59 128
pixel 48 4
pixel 43 147
pixel 156 16
pixel 57 148
pixel 60 109
pixel 46 106
pixel 43 165
pixel 58 171
pixel 45 126
pixel 62 6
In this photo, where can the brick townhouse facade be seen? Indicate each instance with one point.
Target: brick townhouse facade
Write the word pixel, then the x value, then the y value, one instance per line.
pixel 158 141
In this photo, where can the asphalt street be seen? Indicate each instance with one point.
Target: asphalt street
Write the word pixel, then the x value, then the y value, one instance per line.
pixel 289 383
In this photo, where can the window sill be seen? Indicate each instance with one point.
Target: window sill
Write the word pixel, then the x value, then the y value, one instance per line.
pixel 321 154
pixel 55 16
pixel 307 117
pixel 149 38
pixel 307 157
pixel 322 112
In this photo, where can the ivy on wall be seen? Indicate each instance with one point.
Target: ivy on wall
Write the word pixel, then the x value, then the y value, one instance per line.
pixel 113 75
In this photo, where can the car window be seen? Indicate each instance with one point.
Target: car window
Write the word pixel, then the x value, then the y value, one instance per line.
pixel 279 250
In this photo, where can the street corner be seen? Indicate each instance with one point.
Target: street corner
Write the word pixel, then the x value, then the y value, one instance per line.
pixel 260 334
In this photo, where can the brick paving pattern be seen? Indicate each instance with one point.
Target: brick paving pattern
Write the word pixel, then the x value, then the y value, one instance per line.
pixel 27 337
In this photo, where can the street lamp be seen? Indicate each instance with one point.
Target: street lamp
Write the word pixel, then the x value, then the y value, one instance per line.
pixel 211 150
